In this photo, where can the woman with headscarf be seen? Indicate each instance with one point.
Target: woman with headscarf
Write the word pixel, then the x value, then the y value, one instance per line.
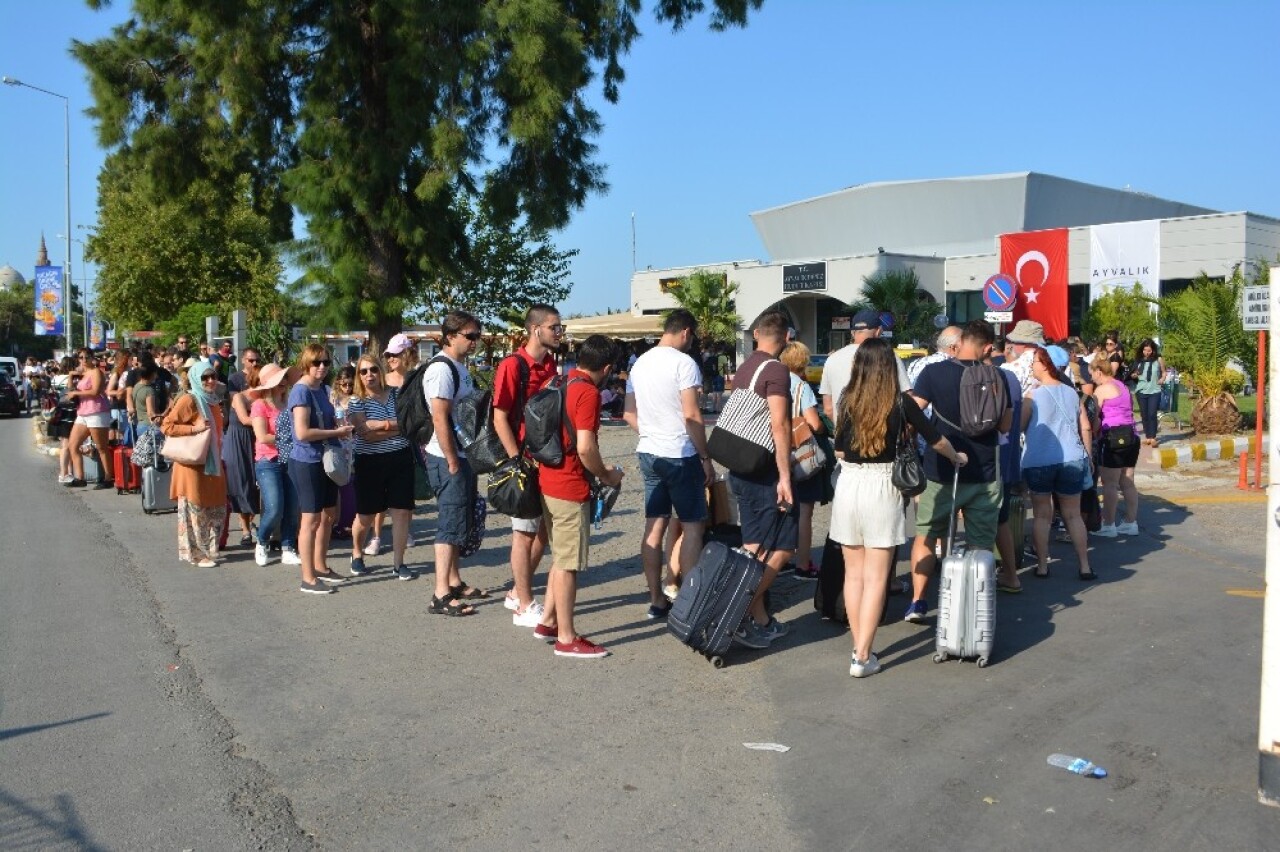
pixel 200 489
pixel 237 454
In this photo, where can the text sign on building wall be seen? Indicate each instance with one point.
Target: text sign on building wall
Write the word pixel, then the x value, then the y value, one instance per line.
pixel 804 276
pixel 1257 308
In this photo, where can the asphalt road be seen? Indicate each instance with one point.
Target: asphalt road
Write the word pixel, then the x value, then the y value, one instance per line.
pixel 360 721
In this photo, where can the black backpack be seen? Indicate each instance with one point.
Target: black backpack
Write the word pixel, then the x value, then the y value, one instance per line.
pixel 984 398
pixel 413 415
pixel 544 418
pixel 473 419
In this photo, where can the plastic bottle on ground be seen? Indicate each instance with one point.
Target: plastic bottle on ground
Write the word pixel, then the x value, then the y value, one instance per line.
pixel 1078 765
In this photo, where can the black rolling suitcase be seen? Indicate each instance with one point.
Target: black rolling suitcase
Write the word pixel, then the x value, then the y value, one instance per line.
pixel 715 594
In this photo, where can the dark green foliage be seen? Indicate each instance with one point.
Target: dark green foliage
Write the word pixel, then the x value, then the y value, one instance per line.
pixel 377 119
pixel 899 293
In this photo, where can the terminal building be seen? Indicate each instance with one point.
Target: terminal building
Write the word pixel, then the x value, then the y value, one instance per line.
pixel 948 230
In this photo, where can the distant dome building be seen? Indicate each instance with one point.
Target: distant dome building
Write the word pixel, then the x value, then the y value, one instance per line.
pixel 10 277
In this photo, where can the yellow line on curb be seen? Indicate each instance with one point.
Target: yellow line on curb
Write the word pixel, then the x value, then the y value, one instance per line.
pixel 1222 499
pixel 1247 593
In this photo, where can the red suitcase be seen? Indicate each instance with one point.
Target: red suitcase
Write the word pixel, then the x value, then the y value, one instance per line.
pixel 128 475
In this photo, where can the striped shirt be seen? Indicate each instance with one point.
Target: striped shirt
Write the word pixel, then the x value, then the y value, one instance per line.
pixel 371 409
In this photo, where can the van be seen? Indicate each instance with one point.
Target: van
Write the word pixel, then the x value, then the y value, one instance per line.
pixel 12 367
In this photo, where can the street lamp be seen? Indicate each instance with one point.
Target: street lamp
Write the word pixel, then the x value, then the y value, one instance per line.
pixel 66 126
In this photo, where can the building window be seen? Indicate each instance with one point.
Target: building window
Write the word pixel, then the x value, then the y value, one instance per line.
pixel 666 285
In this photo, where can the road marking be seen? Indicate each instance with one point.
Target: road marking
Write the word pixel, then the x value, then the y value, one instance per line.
pixel 1218 499
pixel 1247 593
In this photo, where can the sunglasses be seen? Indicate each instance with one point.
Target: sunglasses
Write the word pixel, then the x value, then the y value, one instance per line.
pixel 369 371
pixel 395 355
pixel 251 360
pixel 473 336
pixel 555 329
pixel 324 362
pixel 210 378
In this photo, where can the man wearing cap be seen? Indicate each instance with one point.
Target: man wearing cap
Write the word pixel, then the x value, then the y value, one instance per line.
pixel 839 366
pixel 1020 345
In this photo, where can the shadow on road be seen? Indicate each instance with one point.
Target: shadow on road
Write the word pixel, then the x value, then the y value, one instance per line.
pixel 26 825
pixel 10 733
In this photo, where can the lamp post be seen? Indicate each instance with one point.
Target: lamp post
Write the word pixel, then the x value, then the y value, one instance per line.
pixel 66 128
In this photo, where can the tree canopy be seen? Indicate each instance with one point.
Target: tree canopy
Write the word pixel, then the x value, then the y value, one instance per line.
pixel 899 292
pixel 710 297
pixel 376 119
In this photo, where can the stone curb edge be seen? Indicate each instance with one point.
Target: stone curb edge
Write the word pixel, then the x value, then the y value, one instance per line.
pixel 1223 448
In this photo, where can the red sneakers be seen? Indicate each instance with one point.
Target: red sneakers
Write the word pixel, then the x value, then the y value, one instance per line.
pixel 582 647
pixel 545 633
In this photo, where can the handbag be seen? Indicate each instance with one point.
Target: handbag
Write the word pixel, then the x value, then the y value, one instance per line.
pixel 1120 437
pixel 513 489
pixel 187 449
pixel 807 457
pixel 908 470
pixel 475 527
pixel 337 463
pixel 742 440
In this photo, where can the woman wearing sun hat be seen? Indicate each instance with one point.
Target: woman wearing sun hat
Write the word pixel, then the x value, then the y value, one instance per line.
pixel 279 499
pixel 398 359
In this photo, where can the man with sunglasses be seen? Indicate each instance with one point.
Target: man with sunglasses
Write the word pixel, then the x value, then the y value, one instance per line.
pixel 516 380
pixel 445 381
pixel 249 359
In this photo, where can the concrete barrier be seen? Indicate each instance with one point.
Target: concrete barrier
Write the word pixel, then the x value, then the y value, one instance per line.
pixel 1222 448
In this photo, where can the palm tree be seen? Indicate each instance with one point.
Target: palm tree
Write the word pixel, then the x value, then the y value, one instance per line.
pixel 709 296
pixel 899 292
pixel 1201 332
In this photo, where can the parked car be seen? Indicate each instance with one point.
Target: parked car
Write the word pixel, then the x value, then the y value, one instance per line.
pixel 10 400
pixel 813 372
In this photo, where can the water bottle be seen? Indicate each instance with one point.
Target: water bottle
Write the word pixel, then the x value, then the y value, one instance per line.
pixel 1078 765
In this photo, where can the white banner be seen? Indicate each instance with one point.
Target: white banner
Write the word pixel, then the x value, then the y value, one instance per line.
pixel 1122 255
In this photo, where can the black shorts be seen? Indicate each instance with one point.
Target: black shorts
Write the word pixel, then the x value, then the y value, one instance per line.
pixel 384 481
pixel 316 491
pixel 758 512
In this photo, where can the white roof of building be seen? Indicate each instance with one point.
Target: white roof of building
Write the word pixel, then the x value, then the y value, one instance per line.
pixel 946 217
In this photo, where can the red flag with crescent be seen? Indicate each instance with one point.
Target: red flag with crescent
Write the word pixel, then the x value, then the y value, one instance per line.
pixel 1037 260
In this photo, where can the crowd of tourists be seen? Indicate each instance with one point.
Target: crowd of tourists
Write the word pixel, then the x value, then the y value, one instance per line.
pixel 316 452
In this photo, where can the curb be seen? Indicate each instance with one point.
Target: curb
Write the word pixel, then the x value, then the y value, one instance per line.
pixel 1224 448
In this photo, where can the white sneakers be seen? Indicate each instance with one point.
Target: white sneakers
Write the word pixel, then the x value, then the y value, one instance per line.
pixel 374 545
pixel 1113 530
pixel 289 556
pixel 866 668
pixel 260 555
pixel 531 617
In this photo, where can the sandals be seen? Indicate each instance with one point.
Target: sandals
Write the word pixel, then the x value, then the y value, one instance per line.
pixel 460 592
pixel 445 606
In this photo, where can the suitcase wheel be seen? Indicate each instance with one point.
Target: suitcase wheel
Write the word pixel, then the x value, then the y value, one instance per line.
pixel 982 662
pixel 940 657
pixel 716 661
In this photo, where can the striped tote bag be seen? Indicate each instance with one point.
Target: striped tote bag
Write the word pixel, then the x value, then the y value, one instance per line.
pixel 742 439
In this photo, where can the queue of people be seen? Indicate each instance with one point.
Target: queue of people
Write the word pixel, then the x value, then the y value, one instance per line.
pixel 270 432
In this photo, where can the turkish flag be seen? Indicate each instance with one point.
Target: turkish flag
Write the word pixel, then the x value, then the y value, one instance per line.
pixel 1037 260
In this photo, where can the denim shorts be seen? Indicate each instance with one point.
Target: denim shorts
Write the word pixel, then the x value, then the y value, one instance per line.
pixel 1065 478
pixel 758 512
pixel 677 484
pixel 454 497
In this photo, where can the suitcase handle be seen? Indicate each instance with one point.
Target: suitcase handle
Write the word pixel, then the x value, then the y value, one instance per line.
pixel 774 533
pixel 951 524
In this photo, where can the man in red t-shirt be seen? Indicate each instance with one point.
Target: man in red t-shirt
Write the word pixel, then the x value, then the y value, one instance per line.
pixel 566 498
pixel 528 537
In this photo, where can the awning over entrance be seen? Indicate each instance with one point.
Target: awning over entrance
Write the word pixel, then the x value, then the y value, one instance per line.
pixel 617 326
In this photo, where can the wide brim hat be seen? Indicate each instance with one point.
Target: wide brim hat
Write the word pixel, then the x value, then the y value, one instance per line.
pixel 1027 333
pixel 270 376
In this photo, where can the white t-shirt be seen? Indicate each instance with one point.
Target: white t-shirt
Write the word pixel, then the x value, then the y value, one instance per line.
pixel 656 379
pixel 838 369
pixel 437 383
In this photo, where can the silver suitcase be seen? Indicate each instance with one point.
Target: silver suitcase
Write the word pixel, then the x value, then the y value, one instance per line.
pixel 155 490
pixel 966 601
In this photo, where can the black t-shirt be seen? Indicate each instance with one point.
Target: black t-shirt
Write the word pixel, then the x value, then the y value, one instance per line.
pixel 844 434
pixel 939 383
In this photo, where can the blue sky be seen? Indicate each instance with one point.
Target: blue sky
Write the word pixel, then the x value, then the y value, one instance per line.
pixel 1169 98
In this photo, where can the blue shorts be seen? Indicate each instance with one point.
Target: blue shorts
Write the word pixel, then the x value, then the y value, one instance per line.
pixel 454 498
pixel 677 484
pixel 316 491
pixel 758 512
pixel 1065 478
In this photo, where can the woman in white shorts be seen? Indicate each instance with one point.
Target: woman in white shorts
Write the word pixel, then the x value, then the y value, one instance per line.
pixel 93 419
pixel 869 514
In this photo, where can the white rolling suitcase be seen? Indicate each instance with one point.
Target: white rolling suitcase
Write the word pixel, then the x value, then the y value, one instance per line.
pixel 966 600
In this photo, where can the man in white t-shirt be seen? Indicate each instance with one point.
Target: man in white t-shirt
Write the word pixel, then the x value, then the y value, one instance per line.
pixel 444 383
pixel 662 405
pixel 839 366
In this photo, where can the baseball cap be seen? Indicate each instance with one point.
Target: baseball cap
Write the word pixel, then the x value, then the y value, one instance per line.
pixel 1059 356
pixel 398 344
pixel 864 320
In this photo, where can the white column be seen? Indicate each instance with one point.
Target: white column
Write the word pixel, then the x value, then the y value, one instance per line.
pixel 1269 706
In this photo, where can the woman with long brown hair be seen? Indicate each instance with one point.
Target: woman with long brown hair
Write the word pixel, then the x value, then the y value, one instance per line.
pixel 869 514
pixel 116 393
pixel 238 451
pixel 93 419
